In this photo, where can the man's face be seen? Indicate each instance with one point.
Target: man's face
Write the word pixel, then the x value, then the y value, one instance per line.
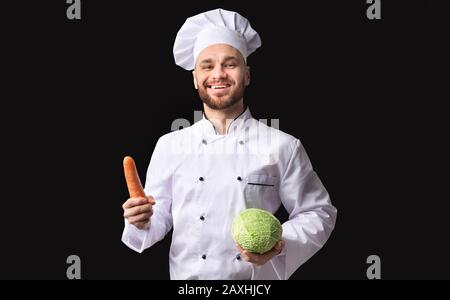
pixel 221 76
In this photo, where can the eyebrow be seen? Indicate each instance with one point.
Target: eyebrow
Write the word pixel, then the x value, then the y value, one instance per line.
pixel 226 58
pixel 206 61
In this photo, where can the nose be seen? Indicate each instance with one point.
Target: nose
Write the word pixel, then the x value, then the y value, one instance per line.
pixel 218 73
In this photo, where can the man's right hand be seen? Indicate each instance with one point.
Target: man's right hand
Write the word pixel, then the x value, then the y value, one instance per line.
pixel 138 211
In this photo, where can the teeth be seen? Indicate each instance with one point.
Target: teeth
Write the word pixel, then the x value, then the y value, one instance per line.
pixel 218 86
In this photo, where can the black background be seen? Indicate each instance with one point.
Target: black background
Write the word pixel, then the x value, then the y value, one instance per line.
pixel 365 97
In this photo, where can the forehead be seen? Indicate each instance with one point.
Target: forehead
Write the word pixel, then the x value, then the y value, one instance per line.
pixel 219 51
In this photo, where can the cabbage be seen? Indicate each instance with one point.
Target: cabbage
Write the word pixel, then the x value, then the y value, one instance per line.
pixel 256 230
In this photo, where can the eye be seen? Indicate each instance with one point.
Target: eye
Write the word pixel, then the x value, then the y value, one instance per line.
pixel 206 67
pixel 230 65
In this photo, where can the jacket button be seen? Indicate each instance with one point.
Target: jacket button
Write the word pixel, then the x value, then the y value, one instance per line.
pixel 241 142
pixel 238 257
pixel 202 218
pixel 204 256
pixel 201 179
pixel 204 142
pixel 239 178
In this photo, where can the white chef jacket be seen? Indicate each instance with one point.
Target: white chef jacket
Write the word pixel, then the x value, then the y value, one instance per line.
pixel 201 181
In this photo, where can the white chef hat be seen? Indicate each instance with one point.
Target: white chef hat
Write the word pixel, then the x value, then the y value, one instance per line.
pixel 217 26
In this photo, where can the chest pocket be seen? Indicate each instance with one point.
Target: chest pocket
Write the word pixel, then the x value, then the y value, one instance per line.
pixel 260 191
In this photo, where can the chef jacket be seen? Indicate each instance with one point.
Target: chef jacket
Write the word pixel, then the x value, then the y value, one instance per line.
pixel 201 180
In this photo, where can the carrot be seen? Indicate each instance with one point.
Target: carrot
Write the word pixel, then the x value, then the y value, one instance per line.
pixel 132 178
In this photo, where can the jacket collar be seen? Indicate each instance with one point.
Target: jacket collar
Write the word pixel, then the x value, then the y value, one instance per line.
pixel 234 127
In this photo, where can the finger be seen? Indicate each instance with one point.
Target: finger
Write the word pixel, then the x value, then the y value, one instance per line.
pixel 137 210
pixel 243 252
pixel 279 245
pixel 248 256
pixel 131 202
pixel 274 251
pixel 245 256
pixel 139 218
pixel 253 256
pixel 151 200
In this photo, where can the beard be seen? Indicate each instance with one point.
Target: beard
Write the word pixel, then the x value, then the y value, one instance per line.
pixel 224 102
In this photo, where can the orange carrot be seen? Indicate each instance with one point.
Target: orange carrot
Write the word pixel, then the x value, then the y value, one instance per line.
pixel 132 177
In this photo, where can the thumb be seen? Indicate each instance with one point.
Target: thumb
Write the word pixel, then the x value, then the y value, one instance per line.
pixel 151 200
pixel 279 245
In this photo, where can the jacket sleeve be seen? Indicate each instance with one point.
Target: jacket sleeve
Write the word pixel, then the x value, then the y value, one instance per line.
pixel 311 217
pixel 159 185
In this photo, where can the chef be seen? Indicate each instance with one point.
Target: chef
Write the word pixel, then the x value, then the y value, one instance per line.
pixel 199 178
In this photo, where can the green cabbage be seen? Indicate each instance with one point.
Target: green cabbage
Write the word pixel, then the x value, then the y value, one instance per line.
pixel 256 230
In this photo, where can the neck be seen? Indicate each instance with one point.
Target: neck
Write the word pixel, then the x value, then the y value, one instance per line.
pixel 222 118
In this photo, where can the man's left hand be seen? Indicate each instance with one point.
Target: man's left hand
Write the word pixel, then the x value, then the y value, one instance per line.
pixel 261 259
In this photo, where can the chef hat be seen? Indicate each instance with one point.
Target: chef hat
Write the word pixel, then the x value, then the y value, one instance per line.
pixel 217 26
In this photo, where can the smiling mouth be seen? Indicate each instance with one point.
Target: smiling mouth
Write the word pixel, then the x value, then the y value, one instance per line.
pixel 218 86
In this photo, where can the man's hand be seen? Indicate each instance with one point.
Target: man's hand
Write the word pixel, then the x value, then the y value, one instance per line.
pixel 138 211
pixel 261 259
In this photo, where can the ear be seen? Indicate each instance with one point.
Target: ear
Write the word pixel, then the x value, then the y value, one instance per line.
pixel 247 76
pixel 195 80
